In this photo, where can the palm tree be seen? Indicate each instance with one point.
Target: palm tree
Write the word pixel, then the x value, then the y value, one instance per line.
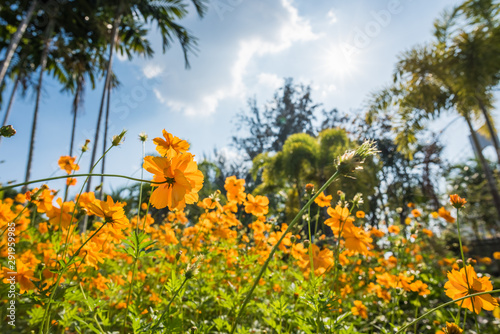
pixel 471 32
pixel 47 41
pixel 164 14
pixel 428 81
pixel 133 40
pixel 21 70
pixel 16 38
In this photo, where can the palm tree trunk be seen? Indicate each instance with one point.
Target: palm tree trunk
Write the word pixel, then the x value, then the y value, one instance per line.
pixel 11 101
pixel 491 129
pixel 486 167
pixel 14 42
pixel 104 141
pixel 114 40
pixel 76 103
pixel 43 65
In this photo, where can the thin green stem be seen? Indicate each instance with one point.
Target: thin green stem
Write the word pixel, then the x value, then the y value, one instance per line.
pixel 79 175
pixel 140 192
pixel 60 273
pixel 275 247
pixel 130 290
pixel 168 306
pixel 90 309
pixel 443 305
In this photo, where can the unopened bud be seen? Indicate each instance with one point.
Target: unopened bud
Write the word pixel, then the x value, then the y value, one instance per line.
pixel 85 147
pixel 471 261
pixel 194 329
pixel 178 255
pixel 309 187
pixel 118 138
pixel 7 131
pixel 293 239
pixel 306 243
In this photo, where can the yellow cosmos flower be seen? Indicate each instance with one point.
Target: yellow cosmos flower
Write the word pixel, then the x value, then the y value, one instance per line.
pixel 171 146
pixel 323 200
pixel 457 201
pixel 67 164
pixel 235 189
pixel 23 275
pixel 183 181
pixel 257 206
pixel 465 282
pixel 359 309
pixel 451 328
pixel 111 212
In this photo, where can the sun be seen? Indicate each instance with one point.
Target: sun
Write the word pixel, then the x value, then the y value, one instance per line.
pixel 340 60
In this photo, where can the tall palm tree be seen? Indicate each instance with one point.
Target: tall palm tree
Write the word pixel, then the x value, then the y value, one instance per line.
pixel 471 31
pixel 21 71
pixel 164 13
pixel 47 41
pixel 16 38
pixel 428 81
pixel 133 40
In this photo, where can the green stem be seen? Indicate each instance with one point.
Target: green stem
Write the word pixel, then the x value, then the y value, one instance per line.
pixel 275 247
pixel 443 305
pixel 168 306
pixel 87 302
pixel 56 285
pixel 130 290
pixel 79 175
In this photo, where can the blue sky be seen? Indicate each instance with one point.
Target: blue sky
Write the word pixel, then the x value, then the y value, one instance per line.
pixel 343 49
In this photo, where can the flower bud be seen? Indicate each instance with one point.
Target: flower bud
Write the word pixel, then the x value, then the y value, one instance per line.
pixel 118 138
pixel 85 147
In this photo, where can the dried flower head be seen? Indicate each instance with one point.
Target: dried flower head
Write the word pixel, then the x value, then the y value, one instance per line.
pixel 352 160
pixel 143 136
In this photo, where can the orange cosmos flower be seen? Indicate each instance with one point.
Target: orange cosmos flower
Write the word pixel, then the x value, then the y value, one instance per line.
pixel 360 214
pixel 356 239
pixel 496 255
pixel 420 287
pixel 70 181
pixel 67 164
pixel 457 201
pixel 235 189
pixel 24 276
pixel 339 217
pixel 323 200
pixel 183 180
pixel 428 232
pixel 451 328
pixel 376 232
pixel 445 214
pixel 171 146
pixel 111 212
pixel 257 206
pixel 359 309
pixel 393 229
pixel 465 282
pixel 416 213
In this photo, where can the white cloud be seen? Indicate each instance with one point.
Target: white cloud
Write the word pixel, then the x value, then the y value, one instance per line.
pixel 332 17
pixel 270 80
pixel 285 30
pixel 152 70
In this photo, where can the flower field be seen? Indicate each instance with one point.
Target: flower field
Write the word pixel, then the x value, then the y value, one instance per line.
pixel 90 265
